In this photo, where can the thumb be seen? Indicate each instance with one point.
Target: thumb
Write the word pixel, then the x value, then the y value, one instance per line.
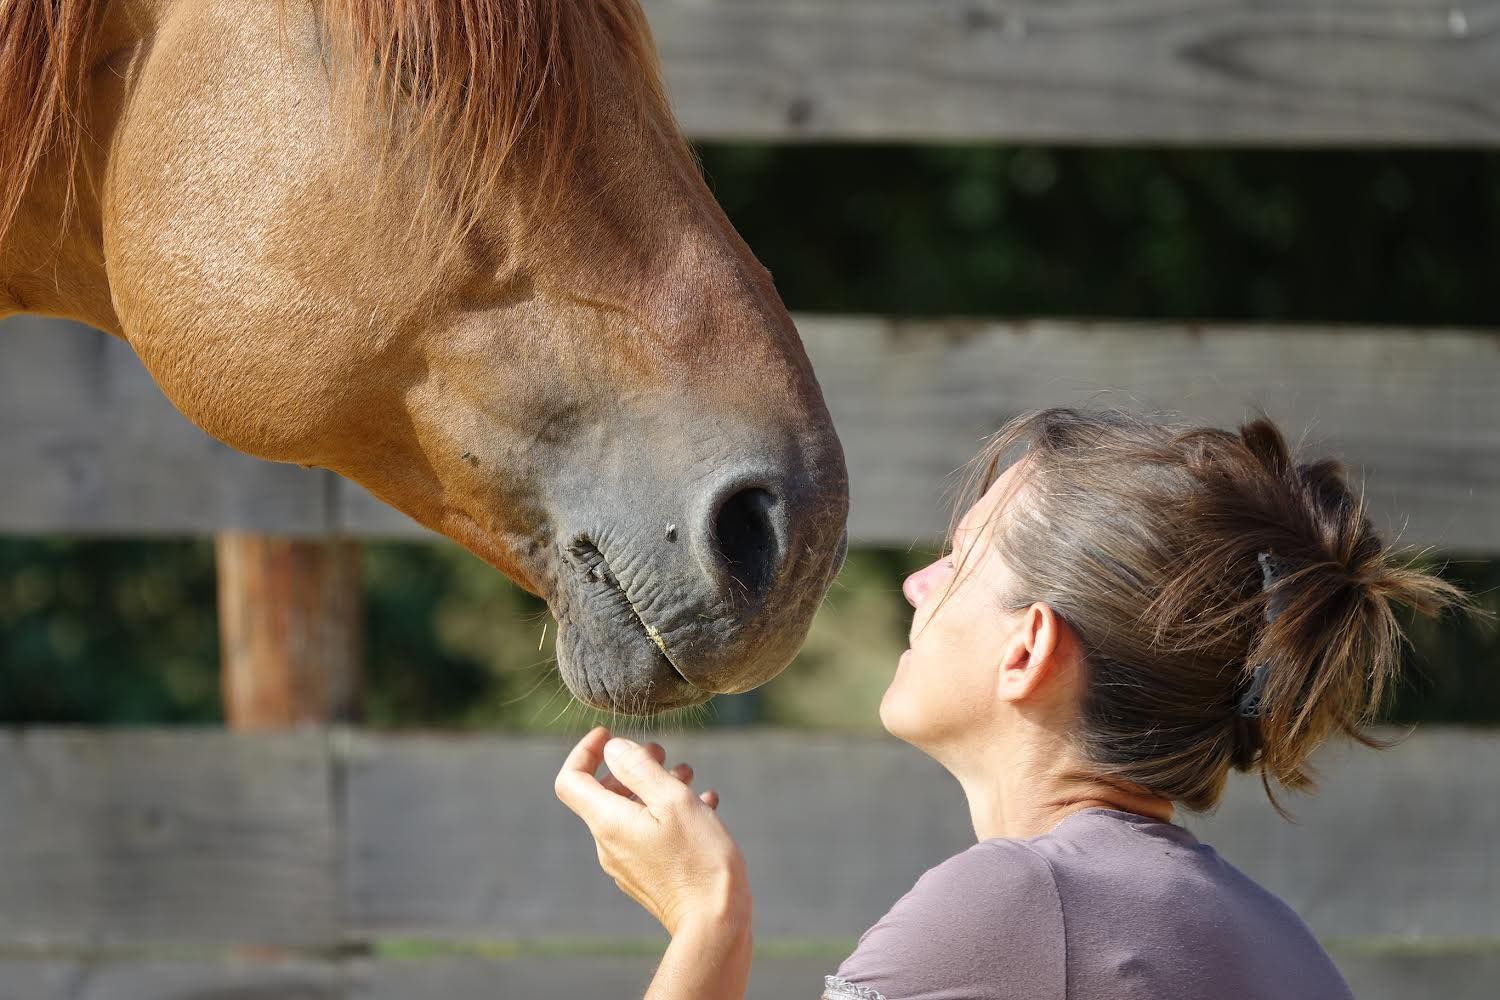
pixel 641 773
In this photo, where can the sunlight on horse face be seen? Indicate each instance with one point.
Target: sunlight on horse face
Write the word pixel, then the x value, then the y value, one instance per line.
pixel 600 393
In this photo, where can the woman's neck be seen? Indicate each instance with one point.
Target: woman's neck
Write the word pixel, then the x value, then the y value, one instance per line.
pixel 1020 792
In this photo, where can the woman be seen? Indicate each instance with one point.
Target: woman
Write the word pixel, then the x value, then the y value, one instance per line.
pixel 1129 611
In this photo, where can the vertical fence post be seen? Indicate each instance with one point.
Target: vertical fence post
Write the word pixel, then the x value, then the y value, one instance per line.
pixel 291 629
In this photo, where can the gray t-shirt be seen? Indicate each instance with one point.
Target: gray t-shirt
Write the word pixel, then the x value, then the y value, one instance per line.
pixel 1105 905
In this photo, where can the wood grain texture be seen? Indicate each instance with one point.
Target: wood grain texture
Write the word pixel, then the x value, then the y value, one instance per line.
pixel 1463 975
pixel 179 978
pixel 89 444
pixel 291 630
pixel 1413 411
pixel 462 838
pixel 1281 72
pixel 1398 845
pixel 1393 975
pixel 455 838
pixel 210 840
pixel 121 839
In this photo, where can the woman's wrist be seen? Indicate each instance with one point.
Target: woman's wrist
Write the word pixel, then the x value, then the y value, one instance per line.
pixel 728 905
pixel 708 958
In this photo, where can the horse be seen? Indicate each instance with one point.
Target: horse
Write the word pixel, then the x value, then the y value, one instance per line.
pixel 460 254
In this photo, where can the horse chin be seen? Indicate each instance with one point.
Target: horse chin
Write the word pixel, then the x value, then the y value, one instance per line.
pixel 611 662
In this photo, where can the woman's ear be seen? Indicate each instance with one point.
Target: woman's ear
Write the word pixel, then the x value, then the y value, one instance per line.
pixel 1032 653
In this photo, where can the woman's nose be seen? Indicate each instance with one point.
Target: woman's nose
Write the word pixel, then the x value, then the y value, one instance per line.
pixel 917 586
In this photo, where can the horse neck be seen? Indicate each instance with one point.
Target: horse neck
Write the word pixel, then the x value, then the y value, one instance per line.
pixel 52 260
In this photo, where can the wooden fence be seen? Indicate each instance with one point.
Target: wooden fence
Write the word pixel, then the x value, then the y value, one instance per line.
pixel 91 446
pixel 336 864
pixel 340 863
pixel 1207 72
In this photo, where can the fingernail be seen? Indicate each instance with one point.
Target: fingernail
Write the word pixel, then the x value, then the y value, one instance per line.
pixel 617 746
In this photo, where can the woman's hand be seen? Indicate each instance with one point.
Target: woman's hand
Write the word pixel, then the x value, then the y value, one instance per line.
pixel 664 846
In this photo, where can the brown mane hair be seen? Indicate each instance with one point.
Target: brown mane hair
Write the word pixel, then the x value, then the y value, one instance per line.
pixel 478 82
pixel 473 82
pixel 43 47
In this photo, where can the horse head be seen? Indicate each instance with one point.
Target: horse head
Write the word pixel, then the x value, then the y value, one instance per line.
pixel 460 254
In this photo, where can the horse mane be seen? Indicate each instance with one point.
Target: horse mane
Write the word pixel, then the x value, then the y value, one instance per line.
pixel 43 48
pixel 483 80
pixel 473 82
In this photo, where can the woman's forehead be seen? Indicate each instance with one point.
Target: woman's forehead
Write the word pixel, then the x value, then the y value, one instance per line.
pixel 986 508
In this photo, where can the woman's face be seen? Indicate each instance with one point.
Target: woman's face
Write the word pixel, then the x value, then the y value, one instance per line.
pixel 944 687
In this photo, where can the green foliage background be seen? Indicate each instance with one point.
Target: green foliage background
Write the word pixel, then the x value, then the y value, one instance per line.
pixel 124 631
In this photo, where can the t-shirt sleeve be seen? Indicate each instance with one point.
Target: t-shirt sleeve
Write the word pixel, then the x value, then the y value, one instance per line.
pixel 986 923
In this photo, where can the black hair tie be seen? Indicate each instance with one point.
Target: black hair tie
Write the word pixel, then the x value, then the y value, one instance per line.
pixel 1271 570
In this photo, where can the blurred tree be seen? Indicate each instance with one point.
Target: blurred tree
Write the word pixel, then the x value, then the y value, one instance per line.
pixel 1304 235
pixel 111 631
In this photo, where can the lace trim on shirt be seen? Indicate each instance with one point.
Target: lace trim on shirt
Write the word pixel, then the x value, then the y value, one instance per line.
pixel 835 988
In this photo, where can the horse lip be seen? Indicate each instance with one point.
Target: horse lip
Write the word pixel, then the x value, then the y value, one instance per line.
pixel 588 555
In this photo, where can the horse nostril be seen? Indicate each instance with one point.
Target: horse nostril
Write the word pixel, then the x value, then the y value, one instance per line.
pixel 744 540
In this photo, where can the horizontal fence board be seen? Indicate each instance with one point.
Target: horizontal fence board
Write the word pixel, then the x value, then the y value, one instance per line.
pixel 147 978
pixel 1396 845
pixel 1464 975
pixel 1217 72
pixel 427 861
pixel 118 839
pixel 1458 976
pixel 554 978
pixel 217 841
pixel 89 443
pixel 1414 412
pixel 1399 845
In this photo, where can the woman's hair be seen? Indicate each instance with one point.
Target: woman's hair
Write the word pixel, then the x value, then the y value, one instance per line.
pixel 1235 605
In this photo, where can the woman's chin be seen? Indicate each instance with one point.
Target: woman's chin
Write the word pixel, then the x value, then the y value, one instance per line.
pixel 892 708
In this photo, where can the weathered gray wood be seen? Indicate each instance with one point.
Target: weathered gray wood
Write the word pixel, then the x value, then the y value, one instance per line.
pixel 1461 975
pixel 114 839
pixel 552 978
pixel 462 838
pixel 1093 71
pixel 567 978
pixel 1406 975
pixel 436 827
pixel 210 840
pixel 89 444
pixel 148 978
pixel 1390 975
pixel 1414 412
pixel 1397 845
pixel 38 978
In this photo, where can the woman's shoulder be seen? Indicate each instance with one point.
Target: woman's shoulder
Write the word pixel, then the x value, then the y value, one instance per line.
pixel 998 866
pixel 942 934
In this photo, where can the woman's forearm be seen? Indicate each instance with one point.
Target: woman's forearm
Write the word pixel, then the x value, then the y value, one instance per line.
pixel 708 959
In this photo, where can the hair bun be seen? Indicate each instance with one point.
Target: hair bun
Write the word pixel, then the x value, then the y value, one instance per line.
pixel 1329 642
pixel 1235 606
